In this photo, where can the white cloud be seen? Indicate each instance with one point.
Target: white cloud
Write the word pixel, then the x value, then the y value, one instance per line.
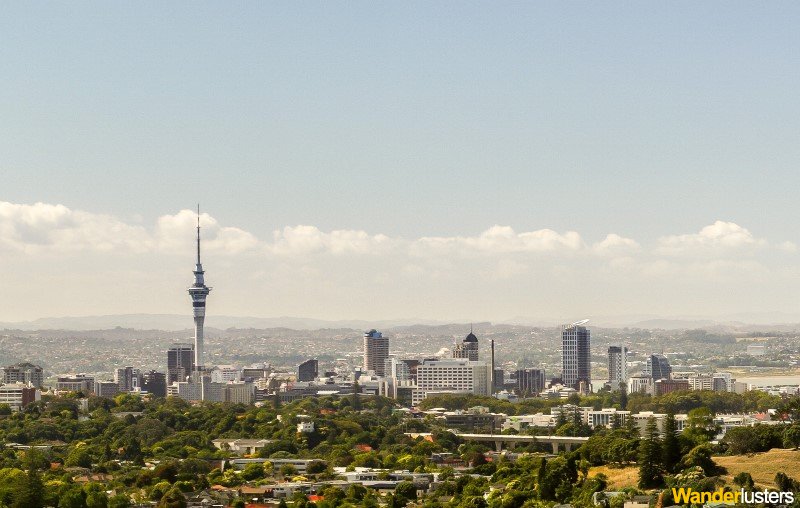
pixel 299 240
pixel 615 245
pixel 718 237
pixel 177 232
pixel 500 240
pixel 44 227
pixel 303 270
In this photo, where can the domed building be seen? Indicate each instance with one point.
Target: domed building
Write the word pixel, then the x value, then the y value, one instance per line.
pixel 468 349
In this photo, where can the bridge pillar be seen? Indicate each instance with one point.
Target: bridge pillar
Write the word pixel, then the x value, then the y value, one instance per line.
pixel 511 445
pixel 555 448
pixel 568 447
pixel 498 445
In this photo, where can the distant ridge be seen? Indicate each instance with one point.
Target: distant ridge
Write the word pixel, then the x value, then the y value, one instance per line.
pixel 176 322
pixel 181 322
pixel 674 324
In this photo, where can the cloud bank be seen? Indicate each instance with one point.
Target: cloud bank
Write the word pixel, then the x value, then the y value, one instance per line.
pixel 302 270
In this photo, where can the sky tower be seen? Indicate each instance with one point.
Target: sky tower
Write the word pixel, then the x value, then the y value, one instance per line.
pixel 198 291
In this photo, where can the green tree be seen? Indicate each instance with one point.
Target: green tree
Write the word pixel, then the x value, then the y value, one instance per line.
pixel 174 498
pixel 786 483
pixel 79 456
pixel 623 396
pixel 759 438
pixel 288 470
pixel 30 493
pixel 631 429
pixel 253 471
pixel 671 455
pixel 119 501
pixel 356 401
pixel 405 491
pixel 333 495
pixel 791 436
pixel 650 469
pixel 744 480
pixel 316 467
pixel 700 426
pixel 96 500
pixel 541 475
pixel 700 456
pixel 356 492
pixel 73 498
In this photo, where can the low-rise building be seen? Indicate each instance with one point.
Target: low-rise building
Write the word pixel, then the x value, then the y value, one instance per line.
pixel 522 422
pixel 607 417
pixel 305 427
pixel 18 395
pixel 641 383
pixel 664 386
pixel 474 419
pixel 25 373
pixel 241 446
pixel 77 383
pixel 106 389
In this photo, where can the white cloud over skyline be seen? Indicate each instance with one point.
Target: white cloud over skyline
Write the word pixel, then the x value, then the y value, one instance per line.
pixel 303 271
pixel 718 236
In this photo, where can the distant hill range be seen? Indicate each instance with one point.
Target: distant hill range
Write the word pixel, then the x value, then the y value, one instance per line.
pixel 174 322
pixel 178 322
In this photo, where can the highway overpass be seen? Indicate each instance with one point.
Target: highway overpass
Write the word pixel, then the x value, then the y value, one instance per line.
pixel 511 441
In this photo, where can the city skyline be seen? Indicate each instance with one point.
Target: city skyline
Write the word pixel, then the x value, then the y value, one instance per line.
pixel 472 254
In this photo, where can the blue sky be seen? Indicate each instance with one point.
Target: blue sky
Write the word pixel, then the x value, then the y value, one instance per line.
pixel 411 120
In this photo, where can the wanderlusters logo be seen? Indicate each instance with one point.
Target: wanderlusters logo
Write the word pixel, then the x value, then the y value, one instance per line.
pixel 690 496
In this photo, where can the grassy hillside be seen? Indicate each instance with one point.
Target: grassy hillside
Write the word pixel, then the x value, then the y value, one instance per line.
pixel 762 466
pixel 618 478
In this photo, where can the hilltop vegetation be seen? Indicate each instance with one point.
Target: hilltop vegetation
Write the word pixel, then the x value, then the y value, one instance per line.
pixel 162 450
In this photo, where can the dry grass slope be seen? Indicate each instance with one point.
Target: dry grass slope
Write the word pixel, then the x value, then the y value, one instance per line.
pixel 618 478
pixel 762 466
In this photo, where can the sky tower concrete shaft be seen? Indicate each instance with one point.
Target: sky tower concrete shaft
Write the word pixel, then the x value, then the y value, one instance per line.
pixel 198 291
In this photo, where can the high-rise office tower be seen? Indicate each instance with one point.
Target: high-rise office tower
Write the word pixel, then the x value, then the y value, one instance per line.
pixel 180 362
pixel 127 379
pixel 308 370
pixel 376 351
pixel 155 383
pixel 397 369
pixel 530 382
pixel 198 291
pixel 575 357
pixel 468 349
pixel 498 379
pixel 658 367
pixel 617 366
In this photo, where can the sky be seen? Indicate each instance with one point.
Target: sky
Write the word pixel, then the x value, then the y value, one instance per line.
pixel 375 160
